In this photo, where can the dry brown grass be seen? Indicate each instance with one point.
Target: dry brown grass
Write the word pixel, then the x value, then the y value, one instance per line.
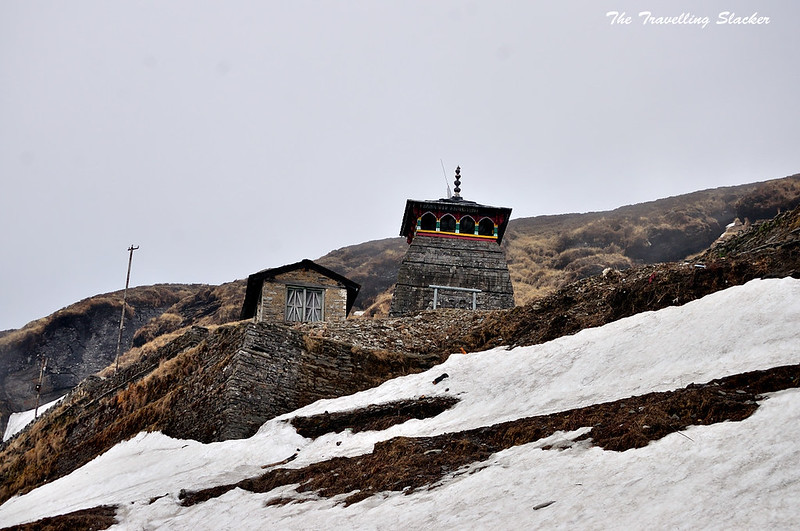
pixel 381 305
pixel 92 425
pixel 27 459
pixel 150 296
pixel 376 417
pixel 135 354
pixel 95 519
pixel 372 264
pixel 211 305
pixel 768 199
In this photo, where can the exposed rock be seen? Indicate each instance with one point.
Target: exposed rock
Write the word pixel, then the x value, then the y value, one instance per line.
pixel 77 342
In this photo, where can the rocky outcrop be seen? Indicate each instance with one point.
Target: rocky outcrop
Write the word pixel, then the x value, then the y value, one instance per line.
pixel 77 341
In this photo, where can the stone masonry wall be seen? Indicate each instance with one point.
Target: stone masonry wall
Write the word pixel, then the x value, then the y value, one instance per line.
pixel 272 306
pixel 452 262
pixel 279 369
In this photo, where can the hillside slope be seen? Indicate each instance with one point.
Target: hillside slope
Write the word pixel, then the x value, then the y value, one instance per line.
pixel 77 341
pixel 545 254
pixel 159 400
pixel 525 443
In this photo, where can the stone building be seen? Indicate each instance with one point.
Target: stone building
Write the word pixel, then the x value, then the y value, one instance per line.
pixel 300 292
pixel 454 259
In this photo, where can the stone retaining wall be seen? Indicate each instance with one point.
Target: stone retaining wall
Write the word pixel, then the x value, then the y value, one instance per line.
pixel 278 369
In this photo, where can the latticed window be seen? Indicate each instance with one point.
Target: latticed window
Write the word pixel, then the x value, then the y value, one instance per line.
pixel 303 304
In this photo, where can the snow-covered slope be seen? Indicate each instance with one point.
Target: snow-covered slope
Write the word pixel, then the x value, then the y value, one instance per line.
pixel 18 421
pixel 736 474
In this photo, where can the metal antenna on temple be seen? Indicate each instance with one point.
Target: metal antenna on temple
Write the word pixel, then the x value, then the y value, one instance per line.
pixel 446 182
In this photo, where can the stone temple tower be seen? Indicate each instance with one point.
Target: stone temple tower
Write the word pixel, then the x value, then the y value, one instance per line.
pixel 454 259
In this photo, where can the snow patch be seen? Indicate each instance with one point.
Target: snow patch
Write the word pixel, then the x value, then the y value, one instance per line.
pixel 18 421
pixel 733 474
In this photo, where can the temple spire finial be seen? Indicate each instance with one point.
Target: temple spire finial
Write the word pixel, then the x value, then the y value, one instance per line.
pixel 457 190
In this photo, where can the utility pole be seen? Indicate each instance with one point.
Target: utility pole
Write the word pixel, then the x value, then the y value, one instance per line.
pixel 122 317
pixel 42 367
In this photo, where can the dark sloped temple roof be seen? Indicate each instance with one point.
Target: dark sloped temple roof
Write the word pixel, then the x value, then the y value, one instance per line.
pixel 415 208
pixel 457 206
pixel 256 280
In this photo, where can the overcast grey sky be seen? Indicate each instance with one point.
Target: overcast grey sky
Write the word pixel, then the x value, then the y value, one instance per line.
pixel 227 137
